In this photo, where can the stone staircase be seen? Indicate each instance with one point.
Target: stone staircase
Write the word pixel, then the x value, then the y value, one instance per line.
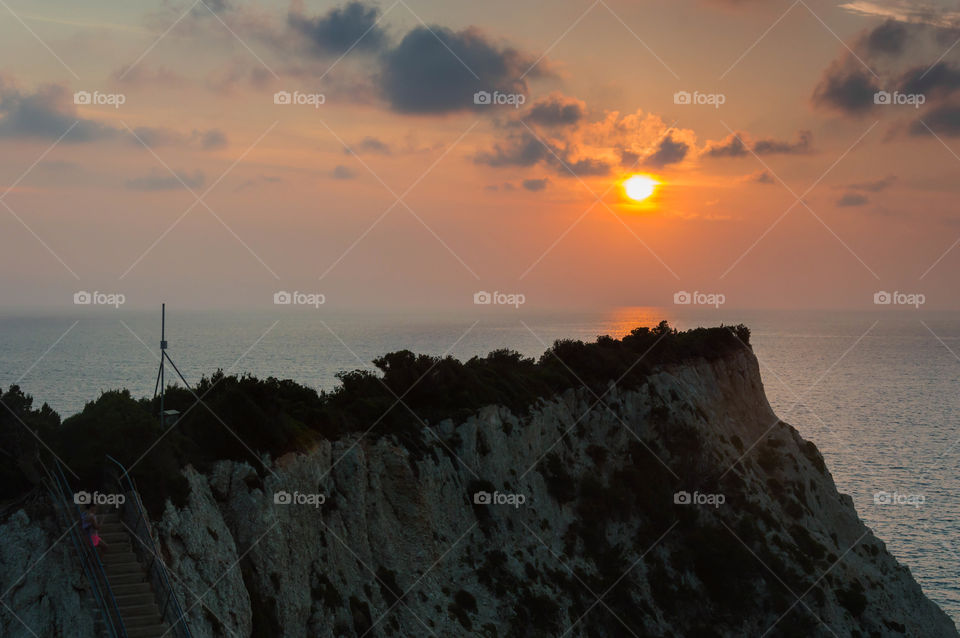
pixel 129 582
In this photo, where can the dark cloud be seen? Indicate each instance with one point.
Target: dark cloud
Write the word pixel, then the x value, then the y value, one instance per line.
pixel 213 139
pixel 437 70
pixel 342 172
pixel 369 145
pixel 874 186
pixel 164 181
pixel 942 120
pixel 731 146
pixel 889 38
pixel 524 149
pixel 850 91
pixel 335 32
pixel 938 80
pixel 46 114
pixel 760 177
pixel 853 199
pixel 669 151
pixel 535 185
pixel 556 110
pixel 776 147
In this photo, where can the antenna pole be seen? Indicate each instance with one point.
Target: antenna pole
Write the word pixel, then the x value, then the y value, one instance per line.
pixel 163 355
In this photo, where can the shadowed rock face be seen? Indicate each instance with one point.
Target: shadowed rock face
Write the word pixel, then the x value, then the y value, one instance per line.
pixel 587 529
pixel 401 545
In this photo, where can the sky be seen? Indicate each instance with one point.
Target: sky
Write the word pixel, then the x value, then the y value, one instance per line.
pixel 432 150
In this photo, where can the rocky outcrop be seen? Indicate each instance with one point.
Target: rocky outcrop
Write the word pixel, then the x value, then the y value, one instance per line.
pixel 683 507
pixel 42 591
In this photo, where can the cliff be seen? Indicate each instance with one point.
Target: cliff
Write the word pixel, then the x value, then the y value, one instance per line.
pixel 678 507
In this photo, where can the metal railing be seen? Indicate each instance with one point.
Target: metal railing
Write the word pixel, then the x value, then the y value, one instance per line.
pixel 137 523
pixel 70 515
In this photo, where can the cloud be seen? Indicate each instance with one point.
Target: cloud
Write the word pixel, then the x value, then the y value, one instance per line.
pixel 342 172
pixel 369 145
pixel 739 145
pixel 853 199
pixel 556 110
pixel 849 91
pixel 535 185
pixel 759 177
pixel 942 120
pixel 437 70
pixel 213 139
pixel 777 147
pixel 890 38
pixel 939 80
pixel 669 151
pixel 731 146
pixel 352 27
pixel 164 181
pixel 46 114
pixel 874 186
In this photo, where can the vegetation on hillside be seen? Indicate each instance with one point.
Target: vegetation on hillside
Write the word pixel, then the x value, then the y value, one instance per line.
pixel 242 417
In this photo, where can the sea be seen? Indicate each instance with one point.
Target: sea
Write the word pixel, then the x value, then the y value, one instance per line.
pixel 876 391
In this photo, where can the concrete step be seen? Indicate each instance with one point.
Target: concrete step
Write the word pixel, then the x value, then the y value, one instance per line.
pixel 148 631
pixel 131 589
pixel 135 611
pixel 114 556
pixel 135 600
pixel 141 620
pixel 128 578
pixel 116 569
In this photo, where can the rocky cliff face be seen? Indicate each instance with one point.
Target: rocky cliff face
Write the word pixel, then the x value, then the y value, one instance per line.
pixel 587 530
pixel 683 507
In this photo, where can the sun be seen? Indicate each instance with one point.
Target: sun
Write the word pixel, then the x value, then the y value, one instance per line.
pixel 640 187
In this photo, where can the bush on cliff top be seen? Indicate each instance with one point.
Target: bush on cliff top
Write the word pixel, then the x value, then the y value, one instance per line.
pixel 241 417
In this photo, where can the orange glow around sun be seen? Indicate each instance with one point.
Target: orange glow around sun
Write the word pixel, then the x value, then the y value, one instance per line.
pixel 640 187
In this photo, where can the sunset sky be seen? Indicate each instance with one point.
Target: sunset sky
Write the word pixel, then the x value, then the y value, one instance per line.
pixel 399 191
